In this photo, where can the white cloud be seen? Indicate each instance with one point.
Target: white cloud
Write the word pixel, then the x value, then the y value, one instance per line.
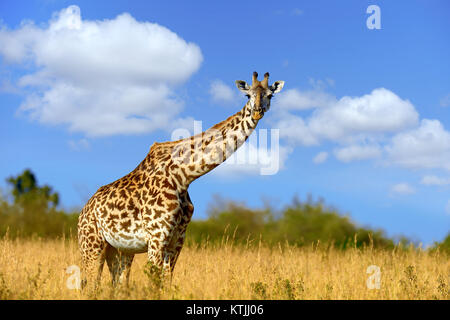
pixel 361 125
pixel 402 188
pixel 16 45
pixel 101 77
pixel 296 131
pixel 435 181
pixel 357 152
pixel 347 120
pixel 293 99
pixel 220 92
pixel 427 146
pixel 321 157
pixel 351 118
pixel 376 125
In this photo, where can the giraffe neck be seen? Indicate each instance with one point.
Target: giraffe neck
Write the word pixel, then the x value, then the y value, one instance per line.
pixel 197 155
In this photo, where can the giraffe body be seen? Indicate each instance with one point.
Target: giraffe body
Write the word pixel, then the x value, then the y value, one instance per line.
pixel 149 209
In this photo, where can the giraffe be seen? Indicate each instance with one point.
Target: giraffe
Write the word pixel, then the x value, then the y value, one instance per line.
pixel 149 209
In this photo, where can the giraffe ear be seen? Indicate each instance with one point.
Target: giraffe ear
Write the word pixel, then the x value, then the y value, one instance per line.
pixel 277 86
pixel 242 86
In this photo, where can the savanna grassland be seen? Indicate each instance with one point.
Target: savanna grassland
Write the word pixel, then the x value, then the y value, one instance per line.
pixel 306 250
pixel 37 269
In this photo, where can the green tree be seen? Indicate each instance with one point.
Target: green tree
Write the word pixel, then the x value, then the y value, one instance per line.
pixel 33 211
pixel 25 189
pixel 229 219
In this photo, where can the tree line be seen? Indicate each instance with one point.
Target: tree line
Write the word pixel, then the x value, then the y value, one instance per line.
pixel 32 210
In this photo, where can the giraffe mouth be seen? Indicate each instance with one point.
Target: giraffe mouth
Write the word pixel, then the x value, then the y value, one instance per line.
pixel 257 114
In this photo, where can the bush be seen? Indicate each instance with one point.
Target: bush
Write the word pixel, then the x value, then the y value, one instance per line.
pixel 300 223
pixel 34 210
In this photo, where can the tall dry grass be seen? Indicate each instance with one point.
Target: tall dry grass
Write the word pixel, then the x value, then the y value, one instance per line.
pixel 36 269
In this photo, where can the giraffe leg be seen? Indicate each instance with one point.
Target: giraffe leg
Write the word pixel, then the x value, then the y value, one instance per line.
pixel 119 264
pixel 92 248
pixel 162 259
pixel 154 268
pixel 176 252
pixel 92 267
pixel 180 235
pixel 162 255
pixel 178 241
pixel 158 266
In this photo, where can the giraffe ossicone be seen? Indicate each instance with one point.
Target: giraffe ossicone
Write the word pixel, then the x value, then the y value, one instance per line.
pixel 149 209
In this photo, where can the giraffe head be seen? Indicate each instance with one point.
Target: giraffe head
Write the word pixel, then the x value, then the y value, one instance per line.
pixel 259 93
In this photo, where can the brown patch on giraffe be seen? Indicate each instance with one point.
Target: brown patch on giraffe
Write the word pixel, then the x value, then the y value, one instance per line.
pixel 125 225
pixel 147 211
pixel 136 213
pixel 158 213
pixel 166 184
pixel 137 178
pixel 178 178
pixel 170 196
pixel 119 205
pixel 157 182
pixel 110 205
pixel 159 201
pixel 172 206
pixel 131 205
pixel 103 212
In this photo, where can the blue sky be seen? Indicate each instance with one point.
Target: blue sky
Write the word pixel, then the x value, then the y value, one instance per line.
pixel 363 119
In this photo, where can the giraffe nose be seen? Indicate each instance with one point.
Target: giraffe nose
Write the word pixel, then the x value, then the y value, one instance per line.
pixel 257 105
pixel 257 114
